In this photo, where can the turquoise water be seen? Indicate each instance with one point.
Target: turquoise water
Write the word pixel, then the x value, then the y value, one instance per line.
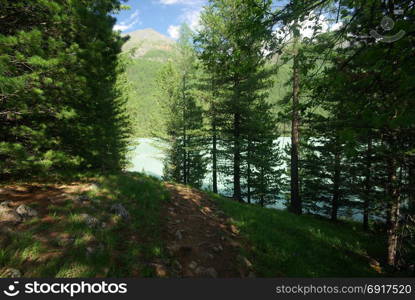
pixel 147 157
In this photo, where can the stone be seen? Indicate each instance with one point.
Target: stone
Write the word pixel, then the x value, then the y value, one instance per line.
pixel 244 261
pixel 9 215
pixel 193 265
pixel 120 210
pixel 89 220
pixel 83 198
pixel 10 273
pixel 159 269
pixel 217 248
pixel 90 250
pixel 178 234
pixel 211 272
pixel 26 211
pixel 94 186
pixel 5 204
pixel 234 229
pixel 206 272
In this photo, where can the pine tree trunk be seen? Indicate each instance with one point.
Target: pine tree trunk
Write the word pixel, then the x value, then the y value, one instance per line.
pixel 366 202
pixel 295 140
pixel 411 186
pixel 393 211
pixel 262 200
pixel 336 187
pixel 248 179
pixel 184 134
pixel 236 159
pixel 214 158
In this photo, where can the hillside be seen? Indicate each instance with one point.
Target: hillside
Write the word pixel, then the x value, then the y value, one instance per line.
pixel 146 40
pixel 152 51
pixel 131 225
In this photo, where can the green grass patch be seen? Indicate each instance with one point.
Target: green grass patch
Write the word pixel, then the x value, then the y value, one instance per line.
pixel 284 244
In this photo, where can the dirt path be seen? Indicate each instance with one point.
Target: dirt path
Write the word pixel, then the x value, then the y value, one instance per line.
pixel 200 237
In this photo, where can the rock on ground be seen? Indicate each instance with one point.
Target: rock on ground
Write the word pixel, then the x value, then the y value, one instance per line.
pixel 83 198
pixel 159 269
pixel 244 261
pixel 10 273
pixel 120 210
pixel 7 214
pixel 89 220
pixel 206 272
pixel 26 211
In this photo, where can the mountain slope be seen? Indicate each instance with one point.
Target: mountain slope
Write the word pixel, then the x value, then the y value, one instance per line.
pixel 146 40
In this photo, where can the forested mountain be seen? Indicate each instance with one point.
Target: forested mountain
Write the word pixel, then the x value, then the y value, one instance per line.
pixel 146 40
pixel 148 51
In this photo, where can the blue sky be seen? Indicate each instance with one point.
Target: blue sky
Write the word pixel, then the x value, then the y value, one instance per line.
pixel 164 16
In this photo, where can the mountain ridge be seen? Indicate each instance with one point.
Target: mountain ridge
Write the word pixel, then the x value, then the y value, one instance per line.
pixel 145 40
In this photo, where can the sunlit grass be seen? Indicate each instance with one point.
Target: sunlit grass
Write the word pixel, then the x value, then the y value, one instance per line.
pixel 284 244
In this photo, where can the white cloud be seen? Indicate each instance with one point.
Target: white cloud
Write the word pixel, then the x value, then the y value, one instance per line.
pixel 190 11
pixel 174 31
pixel 183 2
pixel 313 25
pixel 121 27
pixel 336 26
pixel 132 20
pixel 191 17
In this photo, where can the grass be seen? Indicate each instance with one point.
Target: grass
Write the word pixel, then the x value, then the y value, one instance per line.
pixel 57 244
pixel 284 244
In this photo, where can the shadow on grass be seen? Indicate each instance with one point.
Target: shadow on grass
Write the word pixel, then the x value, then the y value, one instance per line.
pixel 59 243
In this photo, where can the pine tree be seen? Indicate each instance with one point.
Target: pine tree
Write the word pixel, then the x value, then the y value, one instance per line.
pixel 185 162
pixel 231 44
pixel 60 108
